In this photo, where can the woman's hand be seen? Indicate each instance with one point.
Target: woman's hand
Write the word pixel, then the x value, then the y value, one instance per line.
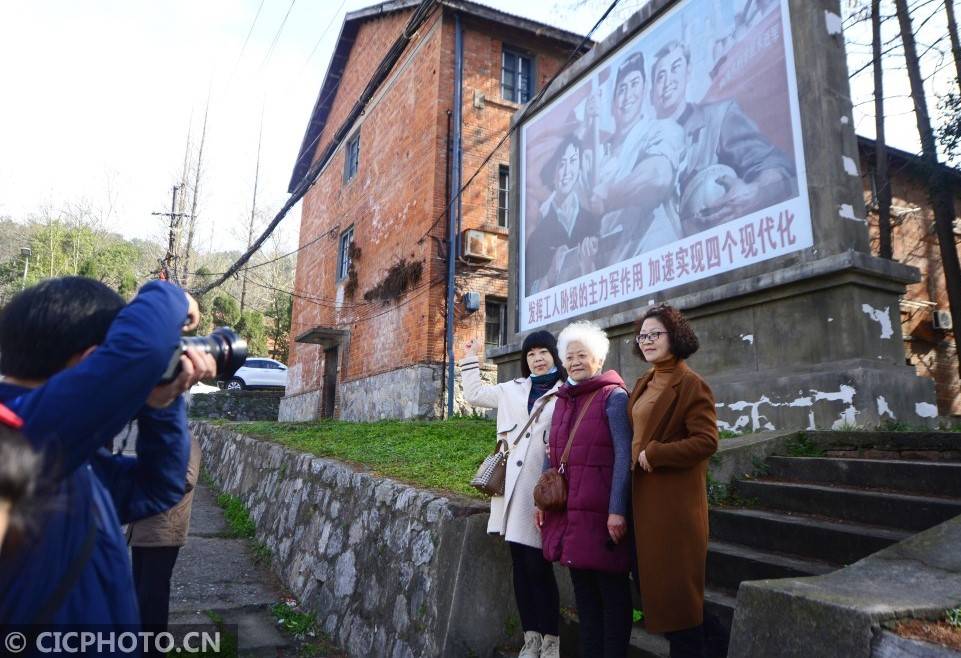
pixel 587 253
pixel 642 461
pixel 538 517
pixel 472 347
pixel 616 527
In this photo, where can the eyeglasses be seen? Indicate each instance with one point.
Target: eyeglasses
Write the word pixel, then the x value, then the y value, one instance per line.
pixel 652 336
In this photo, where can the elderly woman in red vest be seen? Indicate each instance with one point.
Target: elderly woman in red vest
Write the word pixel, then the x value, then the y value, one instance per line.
pixel 590 535
pixel 675 433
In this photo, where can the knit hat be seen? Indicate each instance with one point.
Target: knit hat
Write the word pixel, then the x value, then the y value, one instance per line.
pixel 633 62
pixel 543 339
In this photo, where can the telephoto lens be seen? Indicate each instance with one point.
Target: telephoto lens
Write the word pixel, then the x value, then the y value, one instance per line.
pixel 224 344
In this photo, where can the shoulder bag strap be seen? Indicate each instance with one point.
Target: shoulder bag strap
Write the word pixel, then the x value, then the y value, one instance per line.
pixel 45 615
pixel 570 438
pixel 532 419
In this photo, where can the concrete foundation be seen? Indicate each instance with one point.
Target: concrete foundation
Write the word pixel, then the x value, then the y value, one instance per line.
pixel 813 346
pixel 300 407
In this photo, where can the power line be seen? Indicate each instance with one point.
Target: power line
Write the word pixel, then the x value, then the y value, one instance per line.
pixel 270 50
pixel 386 65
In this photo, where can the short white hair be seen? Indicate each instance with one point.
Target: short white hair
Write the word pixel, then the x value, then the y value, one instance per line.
pixel 587 334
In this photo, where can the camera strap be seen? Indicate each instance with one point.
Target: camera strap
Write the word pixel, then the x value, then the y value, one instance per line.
pixel 46 612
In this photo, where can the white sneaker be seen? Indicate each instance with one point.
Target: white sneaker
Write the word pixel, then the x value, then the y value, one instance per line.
pixel 551 647
pixel 532 645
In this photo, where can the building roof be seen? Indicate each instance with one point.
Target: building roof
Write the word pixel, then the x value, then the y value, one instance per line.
pixel 345 41
pixel 909 159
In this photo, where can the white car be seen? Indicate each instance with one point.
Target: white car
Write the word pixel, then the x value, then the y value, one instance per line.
pixel 259 372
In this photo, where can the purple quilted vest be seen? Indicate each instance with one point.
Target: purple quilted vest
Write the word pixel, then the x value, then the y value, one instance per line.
pixel 578 537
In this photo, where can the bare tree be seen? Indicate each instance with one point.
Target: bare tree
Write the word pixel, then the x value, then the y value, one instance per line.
pixel 938 190
pixel 955 44
pixel 880 146
pixel 192 217
pixel 253 214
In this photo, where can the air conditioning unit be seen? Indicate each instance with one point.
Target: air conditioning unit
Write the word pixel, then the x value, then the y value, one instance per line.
pixel 942 320
pixel 479 245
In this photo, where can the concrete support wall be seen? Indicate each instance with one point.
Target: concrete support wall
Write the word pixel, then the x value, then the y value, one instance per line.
pixel 300 407
pixel 236 405
pixel 387 569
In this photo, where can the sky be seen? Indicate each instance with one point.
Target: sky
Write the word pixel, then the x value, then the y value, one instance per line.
pixel 99 97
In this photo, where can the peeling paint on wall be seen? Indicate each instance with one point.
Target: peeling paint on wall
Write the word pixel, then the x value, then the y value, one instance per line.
pixel 756 421
pixel 882 316
pixel 833 23
pixel 748 338
pixel 830 319
pixel 845 121
pixel 846 211
pixel 850 166
pixel 883 407
pixel 926 410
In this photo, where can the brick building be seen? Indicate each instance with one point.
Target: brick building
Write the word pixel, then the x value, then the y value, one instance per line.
pixel 369 317
pixel 929 344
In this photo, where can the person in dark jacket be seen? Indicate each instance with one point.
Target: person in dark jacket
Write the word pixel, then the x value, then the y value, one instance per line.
pixel 19 475
pixel 77 366
pixel 674 434
pixel 565 241
pixel 591 536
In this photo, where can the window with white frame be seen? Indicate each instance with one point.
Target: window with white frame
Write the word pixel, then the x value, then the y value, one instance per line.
pixel 517 76
pixel 343 253
pixel 352 157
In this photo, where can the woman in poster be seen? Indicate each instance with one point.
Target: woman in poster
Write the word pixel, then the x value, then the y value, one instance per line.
pixel 565 241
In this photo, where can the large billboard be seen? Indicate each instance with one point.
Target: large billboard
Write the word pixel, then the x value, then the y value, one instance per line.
pixel 678 157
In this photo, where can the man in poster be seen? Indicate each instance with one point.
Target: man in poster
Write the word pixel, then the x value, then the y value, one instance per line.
pixel 634 178
pixel 729 168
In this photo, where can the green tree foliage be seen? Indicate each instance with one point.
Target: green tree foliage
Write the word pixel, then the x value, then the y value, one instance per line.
pixel 278 331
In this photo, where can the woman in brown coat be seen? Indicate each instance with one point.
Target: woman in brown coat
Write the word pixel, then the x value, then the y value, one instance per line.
pixel 675 432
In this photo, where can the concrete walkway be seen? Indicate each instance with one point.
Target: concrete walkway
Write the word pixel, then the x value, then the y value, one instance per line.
pixel 217 577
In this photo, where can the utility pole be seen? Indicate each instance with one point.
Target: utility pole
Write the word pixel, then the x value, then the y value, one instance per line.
pixel 25 252
pixel 167 263
pixel 938 190
pixel 881 182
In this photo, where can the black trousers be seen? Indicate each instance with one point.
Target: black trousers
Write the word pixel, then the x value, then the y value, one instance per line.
pixel 535 590
pixel 687 643
pixel 604 609
pixel 152 568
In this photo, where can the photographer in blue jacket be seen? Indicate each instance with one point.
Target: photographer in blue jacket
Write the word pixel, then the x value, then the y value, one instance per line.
pixel 77 365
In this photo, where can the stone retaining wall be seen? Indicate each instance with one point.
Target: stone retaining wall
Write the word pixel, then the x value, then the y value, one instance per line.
pixel 236 405
pixel 388 570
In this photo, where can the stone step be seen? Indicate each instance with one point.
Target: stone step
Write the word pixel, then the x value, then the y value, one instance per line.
pixel 920 477
pixel 892 510
pixel 718 604
pixel 905 444
pixel 730 564
pixel 821 539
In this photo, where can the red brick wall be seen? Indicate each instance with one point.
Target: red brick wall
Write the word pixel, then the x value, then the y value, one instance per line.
pixel 399 196
pixel 915 243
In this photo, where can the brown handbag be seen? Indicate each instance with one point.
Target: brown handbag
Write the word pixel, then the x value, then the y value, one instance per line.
pixel 491 475
pixel 550 492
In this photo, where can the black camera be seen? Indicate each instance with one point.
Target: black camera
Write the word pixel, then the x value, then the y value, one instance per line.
pixel 224 344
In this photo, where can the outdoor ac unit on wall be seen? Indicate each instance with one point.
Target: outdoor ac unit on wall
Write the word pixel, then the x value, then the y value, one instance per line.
pixel 479 245
pixel 942 319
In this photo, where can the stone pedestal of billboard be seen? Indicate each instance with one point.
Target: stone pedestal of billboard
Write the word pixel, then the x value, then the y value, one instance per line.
pixel 810 338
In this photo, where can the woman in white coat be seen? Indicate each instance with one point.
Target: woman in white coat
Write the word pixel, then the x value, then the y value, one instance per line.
pixel 512 515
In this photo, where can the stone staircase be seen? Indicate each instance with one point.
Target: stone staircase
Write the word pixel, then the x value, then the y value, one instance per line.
pixel 807 516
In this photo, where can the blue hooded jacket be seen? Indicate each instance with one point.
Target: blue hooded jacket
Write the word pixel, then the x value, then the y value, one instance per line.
pixel 69 419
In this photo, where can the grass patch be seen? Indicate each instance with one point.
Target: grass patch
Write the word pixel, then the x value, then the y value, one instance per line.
pixel 237 517
pixel 637 615
pixel 433 454
pixel 802 446
pixel 297 623
pixel 728 434
pixel 953 617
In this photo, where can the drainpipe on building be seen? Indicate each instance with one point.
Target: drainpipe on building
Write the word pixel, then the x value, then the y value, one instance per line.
pixel 454 206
